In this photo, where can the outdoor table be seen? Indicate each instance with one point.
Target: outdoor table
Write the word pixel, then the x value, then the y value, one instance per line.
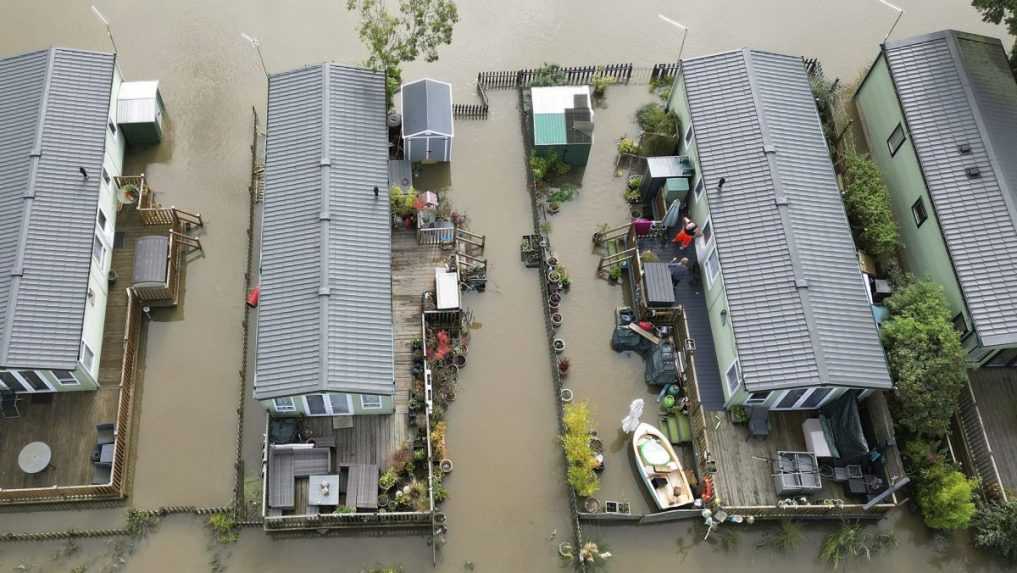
pixel 315 495
pixel 106 454
pixel 34 457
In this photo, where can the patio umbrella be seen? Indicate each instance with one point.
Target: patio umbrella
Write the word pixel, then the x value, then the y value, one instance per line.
pixel 631 422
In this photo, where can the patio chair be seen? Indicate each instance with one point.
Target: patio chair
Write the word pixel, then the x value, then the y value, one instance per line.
pixel 759 423
pixel 9 405
pixel 101 474
pixel 104 434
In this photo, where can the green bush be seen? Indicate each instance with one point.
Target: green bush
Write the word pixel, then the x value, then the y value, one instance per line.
pixel 926 358
pixel 852 540
pixel 548 75
pixel 578 452
pixel 868 208
pixel 996 528
pixel 567 192
pixel 652 118
pixel 224 527
pixel 600 83
pixel 628 146
pixel 388 479
pixel 945 497
pixel 402 201
pixel 546 165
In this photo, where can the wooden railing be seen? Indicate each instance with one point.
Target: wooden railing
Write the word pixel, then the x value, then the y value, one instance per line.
pixel 470 240
pixel 151 212
pixel 976 442
pixel 393 519
pixel 697 415
pixel 443 236
pixel 116 488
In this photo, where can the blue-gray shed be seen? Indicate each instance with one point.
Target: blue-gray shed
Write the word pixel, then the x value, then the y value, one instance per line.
pixel 427 120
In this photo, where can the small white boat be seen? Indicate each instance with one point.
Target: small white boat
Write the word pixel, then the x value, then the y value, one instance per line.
pixel 660 468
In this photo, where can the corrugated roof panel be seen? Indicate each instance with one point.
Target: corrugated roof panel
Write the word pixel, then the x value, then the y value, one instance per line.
pixel 744 104
pixel 44 330
pixel 346 343
pixel 957 88
pixel 549 129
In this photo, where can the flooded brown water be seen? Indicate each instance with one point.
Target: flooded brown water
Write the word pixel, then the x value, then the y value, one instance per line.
pixel 507 507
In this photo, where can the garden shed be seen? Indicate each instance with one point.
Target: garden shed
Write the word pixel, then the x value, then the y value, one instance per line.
pixel 427 121
pixel 563 122
pixel 139 112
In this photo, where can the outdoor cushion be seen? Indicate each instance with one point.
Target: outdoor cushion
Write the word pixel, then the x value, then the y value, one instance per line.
pixel 677 428
pixel 653 453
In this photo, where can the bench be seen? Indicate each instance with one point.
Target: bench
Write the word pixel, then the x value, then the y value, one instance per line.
pixel 288 462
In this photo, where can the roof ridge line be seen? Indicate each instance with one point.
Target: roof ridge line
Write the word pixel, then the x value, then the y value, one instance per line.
pixel 35 155
pixel 324 216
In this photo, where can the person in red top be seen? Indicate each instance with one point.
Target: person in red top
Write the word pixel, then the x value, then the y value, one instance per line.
pixel 687 234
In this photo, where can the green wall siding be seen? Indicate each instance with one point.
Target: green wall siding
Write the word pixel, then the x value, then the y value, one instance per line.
pixel 699 210
pixel 387 406
pixel 923 249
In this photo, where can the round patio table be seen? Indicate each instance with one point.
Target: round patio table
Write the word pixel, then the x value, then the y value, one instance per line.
pixel 34 457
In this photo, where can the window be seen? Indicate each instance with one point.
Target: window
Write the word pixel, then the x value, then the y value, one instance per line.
pixel 712 266
pixel 101 219
pixel 328 404
pixel 112 127
pixel 66 377
pixel 34 380
pixel 284 404
pixel 707 233
pixel 105 175
pixel 791 398
pixel 340 403
pixel 315 405
pixel 87 356
pixel 816 398
pixel 699 187
pixel 757 398
pixel 733 377
pixel 13 383
pixel 370 402
pixel 98 250
pixel 688 135
pixel 919 212
pixel 895 140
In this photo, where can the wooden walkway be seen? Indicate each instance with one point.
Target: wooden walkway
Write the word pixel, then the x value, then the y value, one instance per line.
pixel 995 391
pixel 67 421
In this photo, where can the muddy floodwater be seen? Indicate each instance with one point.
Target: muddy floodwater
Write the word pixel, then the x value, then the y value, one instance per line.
pixel 507 508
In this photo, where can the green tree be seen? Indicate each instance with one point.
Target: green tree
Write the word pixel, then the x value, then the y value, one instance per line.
pixel 1005 11
pixel 868 208
pixel 925 356
pixel 996 528
pixel 945 497
pixel 419 28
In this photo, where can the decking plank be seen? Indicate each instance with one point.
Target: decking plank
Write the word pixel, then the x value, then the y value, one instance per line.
pixel 996 394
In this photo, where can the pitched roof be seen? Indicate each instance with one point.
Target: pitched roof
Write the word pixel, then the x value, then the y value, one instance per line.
pixel 427 108
pixel 54 106
pixel 956 88
pixel 797 302
pixel 325 314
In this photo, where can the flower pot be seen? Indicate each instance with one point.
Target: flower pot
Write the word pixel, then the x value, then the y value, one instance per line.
pixel 552 261
pixel 459 360
pixel 563 367
pixel 559 345
pixel 383 499
pixel 553 208
pixel 445 465
pixel 556 320
pixel 554 277
pixel 566 395
pixel 591 505
pixel 554 299
pixel 450 395
pixel 439 518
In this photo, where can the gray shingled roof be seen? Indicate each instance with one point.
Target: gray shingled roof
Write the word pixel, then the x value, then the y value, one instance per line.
pixel 956 88
pixel 797 303
pixel 427 108
pixel 325 314
pixel 54 106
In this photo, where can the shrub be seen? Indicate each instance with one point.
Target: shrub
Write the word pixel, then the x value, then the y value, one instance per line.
pixel 565 193
pixel 224 527
pixel 545 165
pixel 580 456
pixel 996 528
pixel 652 118
pixel 868 208
pixel 628 146
pixel 661 87
pixel 438 488
pixel 402 201
pixel 785 539
pixel 851 540
pixel 344 509
pixel 548 75
pixel 438 440
pixel 600 83
pixel 140 522
pixel 925 356
pixel 944 496
pixel 388 479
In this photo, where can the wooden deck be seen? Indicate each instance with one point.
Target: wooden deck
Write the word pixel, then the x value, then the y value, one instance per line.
pixel 995 391
pixel 67 421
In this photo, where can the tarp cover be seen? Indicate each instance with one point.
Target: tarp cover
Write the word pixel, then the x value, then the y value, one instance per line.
pixel 624 339
pixel 150 260
pixel 660 365
pixel 846 424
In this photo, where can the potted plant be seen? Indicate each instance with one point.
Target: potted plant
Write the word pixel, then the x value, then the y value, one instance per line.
pixel 566 395
pixel 445 465
pixel 553 277
pixel 553 207
pixel 739 414
pixel 559 345
pixel 614 274
pixel 633 196
pixel 556 320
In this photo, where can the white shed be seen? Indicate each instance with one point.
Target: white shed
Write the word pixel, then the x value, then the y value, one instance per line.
pixel 139 112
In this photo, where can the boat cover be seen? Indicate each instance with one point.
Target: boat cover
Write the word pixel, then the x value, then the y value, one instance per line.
pixel 653 453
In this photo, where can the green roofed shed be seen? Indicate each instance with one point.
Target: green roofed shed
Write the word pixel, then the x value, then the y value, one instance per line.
pixel 563 122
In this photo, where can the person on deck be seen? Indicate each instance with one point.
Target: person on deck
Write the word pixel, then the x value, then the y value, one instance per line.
pixel 687 234
pixel 679 270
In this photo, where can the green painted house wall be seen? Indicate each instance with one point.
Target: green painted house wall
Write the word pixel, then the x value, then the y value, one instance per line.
pixel 923 248
pixel 699 210
pixel 356 403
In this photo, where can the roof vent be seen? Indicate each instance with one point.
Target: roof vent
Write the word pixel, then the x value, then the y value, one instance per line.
pixel 964 148
pixel 973 172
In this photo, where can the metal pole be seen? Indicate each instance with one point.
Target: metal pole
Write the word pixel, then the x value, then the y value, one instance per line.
pixel 682 27
pixel 900 14
pixel 256 44
pixel 109 30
